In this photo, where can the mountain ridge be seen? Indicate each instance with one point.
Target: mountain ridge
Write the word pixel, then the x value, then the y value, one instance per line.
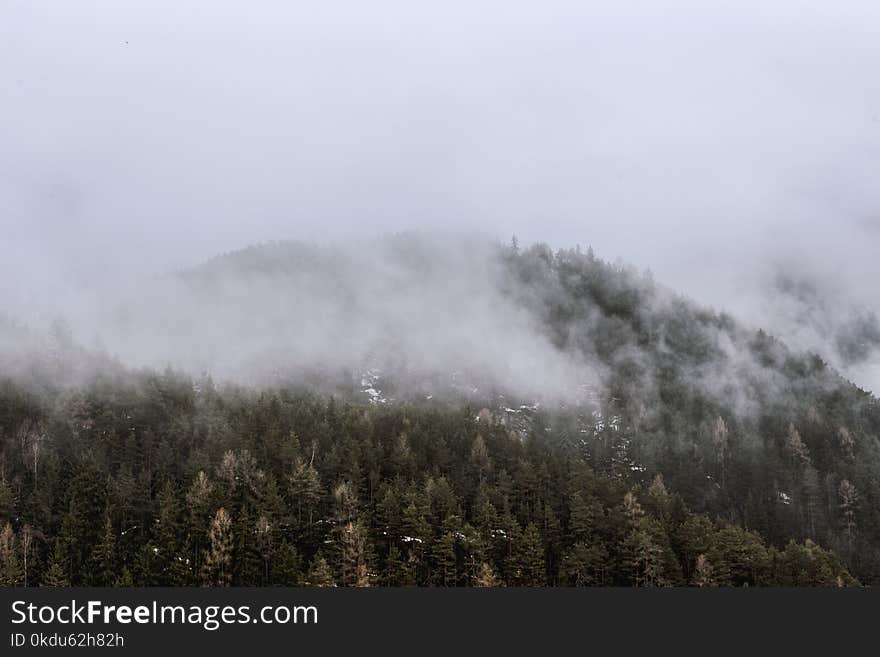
pixel 738 425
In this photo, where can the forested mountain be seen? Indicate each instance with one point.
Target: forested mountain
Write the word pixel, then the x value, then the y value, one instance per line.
pixel 545 419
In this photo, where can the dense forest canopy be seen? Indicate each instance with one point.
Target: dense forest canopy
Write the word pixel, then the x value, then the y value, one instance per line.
pixel 656 442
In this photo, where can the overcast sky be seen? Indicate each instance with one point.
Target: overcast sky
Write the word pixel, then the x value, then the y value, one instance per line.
pixel 709 141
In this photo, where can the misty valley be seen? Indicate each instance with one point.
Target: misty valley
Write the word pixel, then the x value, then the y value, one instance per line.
pixel 425 410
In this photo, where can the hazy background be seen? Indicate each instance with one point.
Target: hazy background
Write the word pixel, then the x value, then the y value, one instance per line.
pixel 731 147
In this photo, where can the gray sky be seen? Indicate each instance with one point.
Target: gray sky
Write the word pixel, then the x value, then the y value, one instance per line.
pixel 712 142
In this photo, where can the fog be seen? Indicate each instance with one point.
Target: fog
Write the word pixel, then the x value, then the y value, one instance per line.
pixel 732 148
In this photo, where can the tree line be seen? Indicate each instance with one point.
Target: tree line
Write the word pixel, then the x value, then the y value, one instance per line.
pixel 159 480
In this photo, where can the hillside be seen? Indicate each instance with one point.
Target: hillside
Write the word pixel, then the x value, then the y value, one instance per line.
pixel 434 415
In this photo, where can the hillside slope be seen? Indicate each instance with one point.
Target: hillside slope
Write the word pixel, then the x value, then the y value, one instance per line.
pixel 492 404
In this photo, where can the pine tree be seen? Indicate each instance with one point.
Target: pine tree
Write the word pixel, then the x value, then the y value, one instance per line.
pixel 389 517
pixel 147 568
pixel 480 457
pixel 104 555
pixel 445 571
pixel 82 527
pixel 286 567
pixel 739 557
pixel 848 498
pixel 272 504
pixel 353 562
pixel 473 552
pixel 633 510
pixel 217 570
pixel 692 538
pixel 795 448
pixel 643 554
pixel 7 498
pixel 721 443
pixel 703 572
pixel 529 567
pixel 586 516
pixel 247 562
pixel 265 546
pixel 658 498
pixel 11 572
pixel 125 578
pixel 551 530
pixel 26 544
pixel 305 489
pixel 393 575
pixel 809 565
pixel 227 476
pixel 198 500
pixel 485 516
pixel 418 536
pixel 169 539
pixel 585 564
pixel 486 577
pixel 641 557
pixel 56 575
pixel 319 574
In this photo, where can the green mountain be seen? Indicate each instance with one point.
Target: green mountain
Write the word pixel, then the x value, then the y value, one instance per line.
pixel 437 415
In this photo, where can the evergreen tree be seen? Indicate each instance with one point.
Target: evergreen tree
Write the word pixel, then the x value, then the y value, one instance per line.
pixel 265 546
pixel 445 560
pixel 26 547
pixel 125 578
pixel 320 575
pixel 394 572
pixel 104 555
pixel 353 562
pixel 217 569
pixel 739 558
pixel 528 559
pixel 286 567
pixel 247 561
pixel 480 457
pixel 198 500
pixel 56 573
pixel 809 565
pixel 305 489
pixel 169 539
pixel 585 564
pixel 703 572
pixel 642 549
pixel 11 571
pixel 486 577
